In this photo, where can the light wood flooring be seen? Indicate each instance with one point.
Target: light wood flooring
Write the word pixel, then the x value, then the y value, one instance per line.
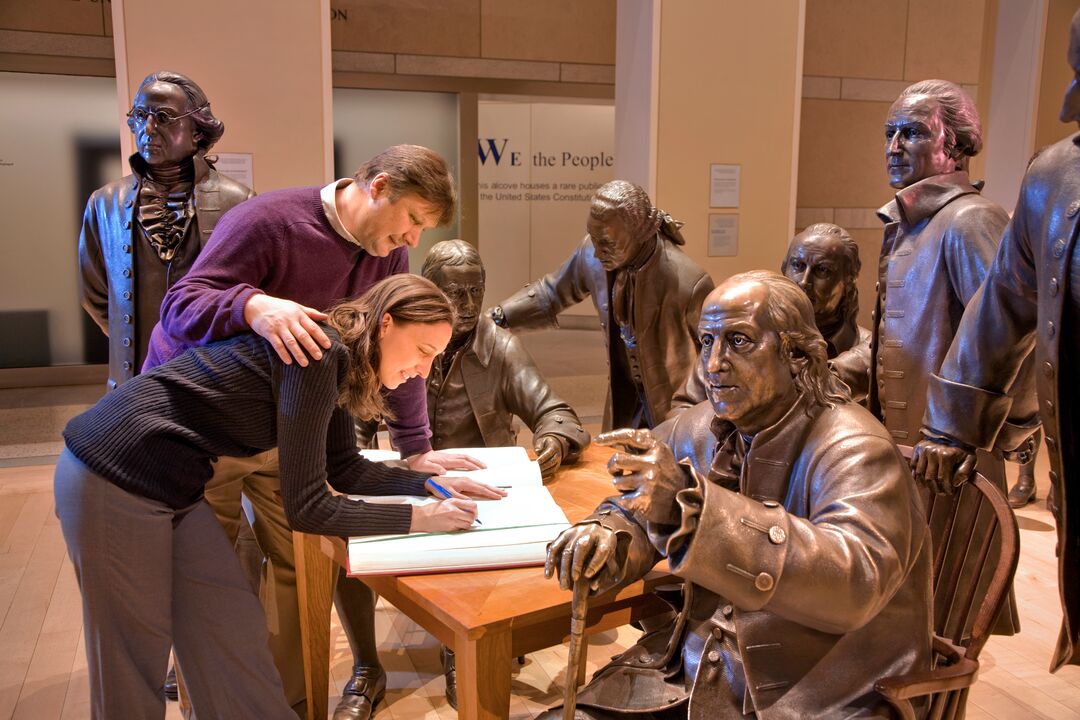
pixel 43 664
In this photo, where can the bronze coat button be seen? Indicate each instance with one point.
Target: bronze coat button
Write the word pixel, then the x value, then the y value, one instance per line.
pixel 1059 247
pixel 126 342
pixel 1053 287
pixel 777 535
pixel 714 656
pixel 1074 207
pixel 764 582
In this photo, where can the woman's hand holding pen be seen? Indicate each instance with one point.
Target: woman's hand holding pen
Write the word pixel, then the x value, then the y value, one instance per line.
pixel 450 514
pixel 456 511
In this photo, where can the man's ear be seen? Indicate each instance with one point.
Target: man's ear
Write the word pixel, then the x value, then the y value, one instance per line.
pixel 379 186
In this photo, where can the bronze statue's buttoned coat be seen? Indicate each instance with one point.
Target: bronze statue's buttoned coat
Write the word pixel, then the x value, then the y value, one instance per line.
pixel 668 295
pixel 108 241
pixel 1023 304
pixel 807 568
pixel 501 381
pixel 940 238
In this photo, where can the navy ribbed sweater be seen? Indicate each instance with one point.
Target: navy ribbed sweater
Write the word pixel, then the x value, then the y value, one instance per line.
pixel 157 435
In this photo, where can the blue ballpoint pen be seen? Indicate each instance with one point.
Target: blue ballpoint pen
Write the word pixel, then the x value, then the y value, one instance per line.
pixel 446 494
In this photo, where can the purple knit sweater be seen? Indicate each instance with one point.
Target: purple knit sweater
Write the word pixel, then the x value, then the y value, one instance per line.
pixel 282 244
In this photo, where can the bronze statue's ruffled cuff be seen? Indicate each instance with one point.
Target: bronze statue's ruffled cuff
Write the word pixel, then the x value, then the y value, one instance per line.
pixel 971 415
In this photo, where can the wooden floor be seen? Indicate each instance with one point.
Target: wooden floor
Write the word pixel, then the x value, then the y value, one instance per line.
pixel 43 665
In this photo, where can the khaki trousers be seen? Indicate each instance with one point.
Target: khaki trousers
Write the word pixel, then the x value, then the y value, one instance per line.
pixel 257 478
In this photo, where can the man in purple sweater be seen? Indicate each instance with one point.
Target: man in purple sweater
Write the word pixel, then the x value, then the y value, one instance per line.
pixel 273 265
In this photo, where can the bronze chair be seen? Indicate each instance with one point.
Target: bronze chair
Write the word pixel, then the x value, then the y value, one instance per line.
pixel 972 572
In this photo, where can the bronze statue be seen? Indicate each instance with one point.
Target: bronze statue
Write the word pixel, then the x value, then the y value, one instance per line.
pixel 940 238
pixel 482 380
pixel 142 233
pixel 824 261
pixel 647 293
pixel 1031 299
pixel 486 376
pixel 792 518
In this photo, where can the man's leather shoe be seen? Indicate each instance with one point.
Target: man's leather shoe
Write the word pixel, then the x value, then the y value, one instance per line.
pixel 172 690
pixel 361 695
pixel 450 671
pixel 1023 492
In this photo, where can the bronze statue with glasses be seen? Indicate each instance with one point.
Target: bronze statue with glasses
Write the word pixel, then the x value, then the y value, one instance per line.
pixel 142 233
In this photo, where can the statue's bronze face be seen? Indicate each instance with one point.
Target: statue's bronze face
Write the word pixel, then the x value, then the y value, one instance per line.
pixel 164 144
pixel 1070 110
pixel 818 264
pixel 915 141
pixel 750 381
pixel 464 285
pixel 614 245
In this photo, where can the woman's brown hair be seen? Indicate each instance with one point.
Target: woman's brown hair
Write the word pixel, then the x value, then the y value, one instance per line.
pixel 407 299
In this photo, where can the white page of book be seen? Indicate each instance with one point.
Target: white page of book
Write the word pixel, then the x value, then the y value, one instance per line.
pixel 522 506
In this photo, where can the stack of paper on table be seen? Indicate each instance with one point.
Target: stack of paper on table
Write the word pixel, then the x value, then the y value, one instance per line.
pixel 514 531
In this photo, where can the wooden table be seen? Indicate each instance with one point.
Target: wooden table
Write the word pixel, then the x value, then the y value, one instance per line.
pixel 487 617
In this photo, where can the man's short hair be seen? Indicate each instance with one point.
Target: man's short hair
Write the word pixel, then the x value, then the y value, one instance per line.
pixel 210 128
pixel 849 306
pixel 792 318
pixel 963 129
pixel 414 170
pixel 450 253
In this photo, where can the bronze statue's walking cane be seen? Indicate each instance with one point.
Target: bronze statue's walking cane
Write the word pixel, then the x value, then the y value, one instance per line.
pixel 576 656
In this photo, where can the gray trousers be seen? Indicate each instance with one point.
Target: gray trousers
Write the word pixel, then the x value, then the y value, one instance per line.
pixel 152 577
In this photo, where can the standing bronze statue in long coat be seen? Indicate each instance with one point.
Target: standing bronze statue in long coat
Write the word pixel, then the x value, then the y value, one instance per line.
pixel 940 238
pixel 1031 299
pixel 793 519
pixel 142 233
pixel 647 292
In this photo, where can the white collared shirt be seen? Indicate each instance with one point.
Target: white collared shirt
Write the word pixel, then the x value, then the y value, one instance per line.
pixel 328 195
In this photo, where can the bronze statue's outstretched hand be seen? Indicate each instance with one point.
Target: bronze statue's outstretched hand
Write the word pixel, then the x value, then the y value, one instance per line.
pixel 940 466
pixel 646 473
pixel 580 551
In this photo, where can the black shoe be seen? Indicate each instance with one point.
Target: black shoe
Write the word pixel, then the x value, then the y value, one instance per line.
pixel 1023 492
pixel 172 690
pixel 450 671
pixel 1051 502
pixel 362 694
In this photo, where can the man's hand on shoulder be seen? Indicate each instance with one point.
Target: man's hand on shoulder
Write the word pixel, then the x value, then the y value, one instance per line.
pixel 289 327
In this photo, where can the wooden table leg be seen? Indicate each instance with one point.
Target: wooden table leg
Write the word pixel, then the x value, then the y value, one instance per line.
pixel 483 669
pixel 315 578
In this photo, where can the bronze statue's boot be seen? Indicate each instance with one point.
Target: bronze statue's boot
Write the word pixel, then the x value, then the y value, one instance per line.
pixel 172 690
pixel 362 694
pixel 1023 492
pixel 450 671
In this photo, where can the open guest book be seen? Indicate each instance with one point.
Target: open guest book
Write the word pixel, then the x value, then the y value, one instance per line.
pixel 513 531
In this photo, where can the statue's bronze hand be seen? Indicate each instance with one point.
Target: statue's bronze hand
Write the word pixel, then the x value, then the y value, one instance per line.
pixel 940 466
pixel 548 455
pixel 580 551
pixel 646 473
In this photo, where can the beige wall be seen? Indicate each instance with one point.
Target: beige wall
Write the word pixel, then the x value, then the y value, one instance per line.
pixel 1056 73
pixel 859 55
pixel 277 104
pixel 729 96
pixel 559 46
